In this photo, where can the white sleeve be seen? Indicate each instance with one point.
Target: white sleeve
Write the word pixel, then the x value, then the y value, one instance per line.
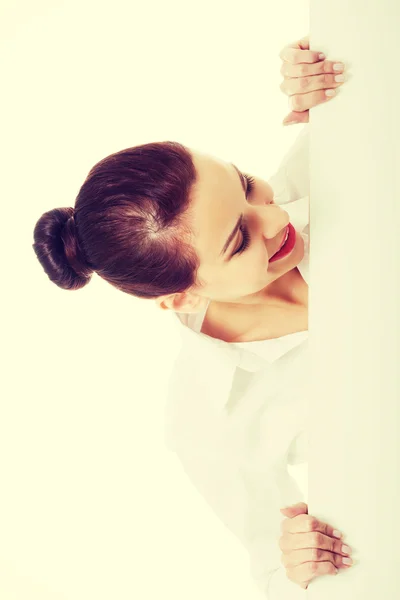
pixel 291 181
pixel 236 455
pixel 248 505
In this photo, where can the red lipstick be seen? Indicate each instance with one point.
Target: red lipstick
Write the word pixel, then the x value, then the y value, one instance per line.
pixel 288 246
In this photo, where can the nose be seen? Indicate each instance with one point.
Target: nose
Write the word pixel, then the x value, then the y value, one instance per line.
pixel 273 220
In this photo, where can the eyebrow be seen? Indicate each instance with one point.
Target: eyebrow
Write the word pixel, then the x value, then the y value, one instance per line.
pixel 240 219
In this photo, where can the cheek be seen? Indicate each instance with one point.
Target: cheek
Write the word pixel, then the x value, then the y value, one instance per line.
pixel 255 265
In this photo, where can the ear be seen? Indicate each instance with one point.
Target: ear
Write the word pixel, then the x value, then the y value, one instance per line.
pixel 183 302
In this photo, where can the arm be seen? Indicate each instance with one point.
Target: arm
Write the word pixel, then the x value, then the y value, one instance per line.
pixel 249 507
pixel 237 460
pixel 232 430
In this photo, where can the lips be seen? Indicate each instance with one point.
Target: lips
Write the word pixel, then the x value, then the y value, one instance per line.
pixel 283 241
pixel 286 245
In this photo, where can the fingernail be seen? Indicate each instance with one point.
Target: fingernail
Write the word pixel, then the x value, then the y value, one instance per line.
pixel 337 534
pixel 321 56
pixel 290 122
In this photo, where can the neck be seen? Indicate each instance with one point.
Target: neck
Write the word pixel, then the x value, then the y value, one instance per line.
pixel 288 291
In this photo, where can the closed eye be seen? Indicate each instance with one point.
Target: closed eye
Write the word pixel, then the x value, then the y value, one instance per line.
pixel 243 228
pixel 245 240
pixel 250 184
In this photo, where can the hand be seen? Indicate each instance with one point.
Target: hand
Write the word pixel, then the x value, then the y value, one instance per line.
pixel 312 550
pixel 306 79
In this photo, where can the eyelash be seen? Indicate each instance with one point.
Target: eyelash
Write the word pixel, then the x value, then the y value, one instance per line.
pixel 244 230
pixel 250 183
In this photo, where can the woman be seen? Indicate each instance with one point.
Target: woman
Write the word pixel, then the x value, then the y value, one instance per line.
pixel 212 244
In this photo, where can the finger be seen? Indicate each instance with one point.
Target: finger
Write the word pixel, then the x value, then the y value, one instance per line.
pixel 295 509
pixel 304 43
pixel 305 572
pixel 295 55
pixel 296 117
pixel 305 523
pixel 290 71
pixel 316 525
pixel 292 512
pixel 300 102
pixel 297 505
pixel 289 542
pixel 304 85
pixel 297 557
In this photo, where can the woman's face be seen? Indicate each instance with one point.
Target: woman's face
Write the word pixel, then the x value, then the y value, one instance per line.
pixel 242 273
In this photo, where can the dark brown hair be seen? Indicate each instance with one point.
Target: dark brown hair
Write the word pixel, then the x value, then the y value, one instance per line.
pixel 130 225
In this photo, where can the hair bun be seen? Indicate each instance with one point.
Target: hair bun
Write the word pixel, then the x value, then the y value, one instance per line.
pixel 57 248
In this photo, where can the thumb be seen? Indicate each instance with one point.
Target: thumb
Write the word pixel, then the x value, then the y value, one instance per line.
pixel 300 508
pixel 296 117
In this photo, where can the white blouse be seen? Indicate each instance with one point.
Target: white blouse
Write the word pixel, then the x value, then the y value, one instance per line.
pixel 235 412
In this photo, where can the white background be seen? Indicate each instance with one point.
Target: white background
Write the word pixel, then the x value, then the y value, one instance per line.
pixel 92 505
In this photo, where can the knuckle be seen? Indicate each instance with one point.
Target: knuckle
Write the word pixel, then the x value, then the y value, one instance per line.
pixel 337 560
pixel 327 529
pixel 304 82
pixel 337 546
pixel 313 523
pixel 303 69
pixel 282 87
pixel 316 538
pixel 316 554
